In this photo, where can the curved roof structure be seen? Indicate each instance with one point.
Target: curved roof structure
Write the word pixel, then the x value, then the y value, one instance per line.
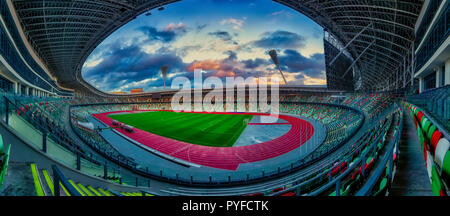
pixel 378 34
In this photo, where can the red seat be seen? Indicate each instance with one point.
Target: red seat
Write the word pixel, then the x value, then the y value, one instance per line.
pixel 289 194
pixel 420 115
pixel 435 139
pixel 255 194
pixel 277 189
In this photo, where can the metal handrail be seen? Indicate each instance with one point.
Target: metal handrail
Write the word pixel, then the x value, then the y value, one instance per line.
pixel 59 177
pixel 443 130
pixel 388 158
pixel 46 132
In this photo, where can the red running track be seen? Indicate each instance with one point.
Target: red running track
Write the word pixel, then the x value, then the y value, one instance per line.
pixel 227 158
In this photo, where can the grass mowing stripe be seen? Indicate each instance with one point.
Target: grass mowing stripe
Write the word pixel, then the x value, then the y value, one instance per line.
pixel 209 130
pixel 154 121
pixel 37 181
pixel 197 128
pixel 220 138
pixel 227 133
pixel 185 126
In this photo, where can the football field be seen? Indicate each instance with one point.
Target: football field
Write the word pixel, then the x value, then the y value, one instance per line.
pixel 219 130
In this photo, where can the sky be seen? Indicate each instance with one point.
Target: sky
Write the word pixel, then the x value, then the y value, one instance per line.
pixel 224 38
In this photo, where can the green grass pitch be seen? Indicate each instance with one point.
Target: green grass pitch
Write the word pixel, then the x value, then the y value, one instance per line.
pixel 218 130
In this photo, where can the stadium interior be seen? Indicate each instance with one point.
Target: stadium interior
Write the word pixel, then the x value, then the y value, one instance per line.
pixel 380 127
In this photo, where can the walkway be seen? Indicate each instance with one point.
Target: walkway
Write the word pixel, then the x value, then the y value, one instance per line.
pixel 411 177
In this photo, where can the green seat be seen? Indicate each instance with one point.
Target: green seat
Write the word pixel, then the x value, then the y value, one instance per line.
pixel 431 130
pixel 379 146
pixel 420 135
pixel 345 189
pixel 1 144
pixel 446 167
pixel 382 188
pixel 436 182
pixel 426 126
pixel 4 164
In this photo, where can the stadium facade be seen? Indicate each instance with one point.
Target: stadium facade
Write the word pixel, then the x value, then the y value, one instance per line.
pixel 379 55
pixel 432 46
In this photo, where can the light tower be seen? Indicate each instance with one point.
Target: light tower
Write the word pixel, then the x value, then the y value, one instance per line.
pixel 274 56
pixel 164 74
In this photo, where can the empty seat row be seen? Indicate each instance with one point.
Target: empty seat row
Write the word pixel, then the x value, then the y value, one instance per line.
pixel 435 147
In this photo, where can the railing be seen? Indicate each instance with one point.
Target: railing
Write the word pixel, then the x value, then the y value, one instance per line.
pixel 49 143
pixel 387 160
pixel 58 178
pixel 360 162
pixel 436 103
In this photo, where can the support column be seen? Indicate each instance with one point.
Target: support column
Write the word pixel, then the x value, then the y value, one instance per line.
pixel 421 85
pixel 438 71
pixel 447 72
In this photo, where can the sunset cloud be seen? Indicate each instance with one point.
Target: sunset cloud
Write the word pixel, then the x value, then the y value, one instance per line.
pixel 237 23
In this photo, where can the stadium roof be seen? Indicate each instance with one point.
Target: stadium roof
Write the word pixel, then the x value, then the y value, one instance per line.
pixel 378 34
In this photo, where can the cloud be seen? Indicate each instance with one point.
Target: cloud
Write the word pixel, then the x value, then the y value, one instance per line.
pixel 231 55
pixel 168 34
pixel 254 63
pixel 237 23
pixel 276 13
pixel 293 61
pixel 200 27
pixel 280 40
pixel 223 35
pixel 92 63
pixel 281 13
pixel 231 66
pixel 175 27
pixel 184 50
pixel 136 84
